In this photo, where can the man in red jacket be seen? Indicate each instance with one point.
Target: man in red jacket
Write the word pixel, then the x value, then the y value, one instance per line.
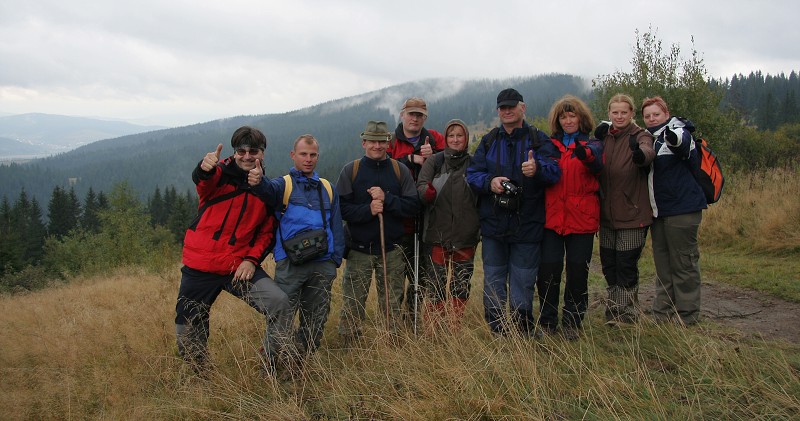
pixel 223 250
pixel 412 145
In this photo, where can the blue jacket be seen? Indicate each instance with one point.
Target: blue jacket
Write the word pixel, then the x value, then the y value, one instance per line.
pixel 303 212
pixel 400 202
pixel 672 184
pixel 504 157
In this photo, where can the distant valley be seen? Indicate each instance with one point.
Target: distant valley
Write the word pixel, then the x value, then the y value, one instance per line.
pixel 35 135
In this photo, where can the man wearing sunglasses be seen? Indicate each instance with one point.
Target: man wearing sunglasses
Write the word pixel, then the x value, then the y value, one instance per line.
pixel 223 250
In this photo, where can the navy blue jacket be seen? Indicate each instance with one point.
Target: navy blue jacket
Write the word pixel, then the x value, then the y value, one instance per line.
pixel 673 188
pixel 400 202
pixel 504 157
pixel 303 212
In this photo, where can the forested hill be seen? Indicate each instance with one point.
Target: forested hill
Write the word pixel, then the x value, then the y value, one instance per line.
pixel 166 157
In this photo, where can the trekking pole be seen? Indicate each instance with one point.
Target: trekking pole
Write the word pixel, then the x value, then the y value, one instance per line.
pixel 385 277
pixel 416 277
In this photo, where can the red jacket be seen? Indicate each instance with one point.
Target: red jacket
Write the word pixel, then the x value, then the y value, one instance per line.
pixel 573 204
pixel 400 149
pixel 227 232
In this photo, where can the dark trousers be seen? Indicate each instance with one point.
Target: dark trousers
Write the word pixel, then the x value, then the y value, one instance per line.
pixel 620 251
pixel 199 290
pixel 578 251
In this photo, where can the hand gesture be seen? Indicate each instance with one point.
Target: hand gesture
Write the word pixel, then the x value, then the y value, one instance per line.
pixel 426 150
pixel 580 151
pixel 529 166
pixel 211 159
pixel 255 175
pixel 601 130
pixel 430 194
pixel 670 137
pixel 633 143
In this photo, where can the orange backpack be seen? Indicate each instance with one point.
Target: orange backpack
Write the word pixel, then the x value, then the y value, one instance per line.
pixel 710 176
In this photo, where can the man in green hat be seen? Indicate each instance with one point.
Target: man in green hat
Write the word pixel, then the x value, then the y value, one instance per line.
pixel 371 186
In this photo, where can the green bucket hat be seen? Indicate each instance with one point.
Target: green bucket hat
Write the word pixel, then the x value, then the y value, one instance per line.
pixel 376 130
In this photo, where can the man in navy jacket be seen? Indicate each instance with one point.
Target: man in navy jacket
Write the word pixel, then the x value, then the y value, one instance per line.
pixel 379 185
pixel 510 170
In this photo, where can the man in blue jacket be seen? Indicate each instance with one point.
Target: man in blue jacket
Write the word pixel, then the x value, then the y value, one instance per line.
pixel 369 187
pixel 510 170
pixel 309 200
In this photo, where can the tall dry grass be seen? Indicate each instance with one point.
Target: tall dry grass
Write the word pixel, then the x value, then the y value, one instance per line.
pixel 103 348
pixel 759 211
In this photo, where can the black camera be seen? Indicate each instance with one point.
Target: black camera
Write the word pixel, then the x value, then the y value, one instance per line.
pixel 509 188
pixel 508 199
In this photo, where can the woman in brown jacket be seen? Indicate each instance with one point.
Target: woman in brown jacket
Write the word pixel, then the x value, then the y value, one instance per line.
pixel 625 212
pixel 452 227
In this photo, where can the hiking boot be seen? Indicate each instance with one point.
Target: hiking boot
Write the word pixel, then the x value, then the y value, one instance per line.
pixel 571 333
pixel 267 363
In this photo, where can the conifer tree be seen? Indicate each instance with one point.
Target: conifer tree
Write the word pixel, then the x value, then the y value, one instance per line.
pixel 90 220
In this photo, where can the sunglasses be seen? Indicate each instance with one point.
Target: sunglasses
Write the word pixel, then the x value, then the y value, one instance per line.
pixel 252 152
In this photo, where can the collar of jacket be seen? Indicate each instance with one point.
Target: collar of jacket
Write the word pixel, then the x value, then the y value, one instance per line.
pixel 630 129
pixel 400 135
pixel 375 163
pixel 518 133
pixel 233 173
pixel 299 176
pixel 578 136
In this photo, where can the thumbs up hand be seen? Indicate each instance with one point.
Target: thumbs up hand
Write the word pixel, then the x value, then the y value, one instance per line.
pixel 255 175
pixel 211 159
pixel 529 166
pixel 426 150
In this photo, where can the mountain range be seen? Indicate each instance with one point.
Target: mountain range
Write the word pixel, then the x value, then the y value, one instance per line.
pixel 166 157
pixel 34 135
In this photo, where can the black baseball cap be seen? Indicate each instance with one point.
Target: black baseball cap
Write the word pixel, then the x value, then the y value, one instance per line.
pixel 508 98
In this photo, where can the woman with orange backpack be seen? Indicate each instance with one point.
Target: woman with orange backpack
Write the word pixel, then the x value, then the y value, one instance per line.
pixel 678 202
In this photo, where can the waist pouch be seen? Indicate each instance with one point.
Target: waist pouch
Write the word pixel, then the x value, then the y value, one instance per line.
pixel 306 246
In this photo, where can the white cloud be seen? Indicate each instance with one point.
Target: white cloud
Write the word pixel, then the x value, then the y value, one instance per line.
pixel 203 60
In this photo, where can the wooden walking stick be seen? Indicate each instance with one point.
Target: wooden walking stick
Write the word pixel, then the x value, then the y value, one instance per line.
pixel 385 277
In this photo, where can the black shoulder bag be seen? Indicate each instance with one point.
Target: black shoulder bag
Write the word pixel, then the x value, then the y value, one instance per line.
pixel 307 245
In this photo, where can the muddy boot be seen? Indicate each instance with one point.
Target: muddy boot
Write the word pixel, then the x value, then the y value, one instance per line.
pixel 614 304
pixel 192 347
pixel 630 310
pixel 435 318
pixel 455 313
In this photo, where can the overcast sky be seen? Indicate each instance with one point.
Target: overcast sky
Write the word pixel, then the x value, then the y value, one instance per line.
pixel 180 62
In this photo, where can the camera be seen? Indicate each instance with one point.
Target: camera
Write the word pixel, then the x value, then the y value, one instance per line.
pixel 509 188
pixel 508 199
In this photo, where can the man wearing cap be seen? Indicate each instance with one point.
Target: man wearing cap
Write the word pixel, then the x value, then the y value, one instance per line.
pixel 380 185
pixel 223 250
pixel 412 145
pixel 510 170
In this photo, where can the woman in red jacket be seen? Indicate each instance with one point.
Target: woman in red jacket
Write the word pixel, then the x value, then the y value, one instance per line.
pixel 572 217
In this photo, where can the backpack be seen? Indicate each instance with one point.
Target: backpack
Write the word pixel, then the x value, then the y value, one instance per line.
pixel 710 177
pixel 395 165
pixel 287 191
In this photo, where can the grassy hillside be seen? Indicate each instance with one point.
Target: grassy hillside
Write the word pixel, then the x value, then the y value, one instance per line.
pixel 103 347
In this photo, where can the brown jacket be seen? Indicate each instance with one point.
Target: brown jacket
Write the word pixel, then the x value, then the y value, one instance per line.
pixel 451 218
pixel 625 199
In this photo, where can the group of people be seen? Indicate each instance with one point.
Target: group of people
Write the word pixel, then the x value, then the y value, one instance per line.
pixel 411 212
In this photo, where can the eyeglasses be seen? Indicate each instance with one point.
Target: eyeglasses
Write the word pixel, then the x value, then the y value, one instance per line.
pixel 252 152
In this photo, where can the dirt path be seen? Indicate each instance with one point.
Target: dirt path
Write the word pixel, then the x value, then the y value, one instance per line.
pixel 752 312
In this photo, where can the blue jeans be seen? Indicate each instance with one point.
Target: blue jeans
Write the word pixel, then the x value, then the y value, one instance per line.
pixel 509 271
